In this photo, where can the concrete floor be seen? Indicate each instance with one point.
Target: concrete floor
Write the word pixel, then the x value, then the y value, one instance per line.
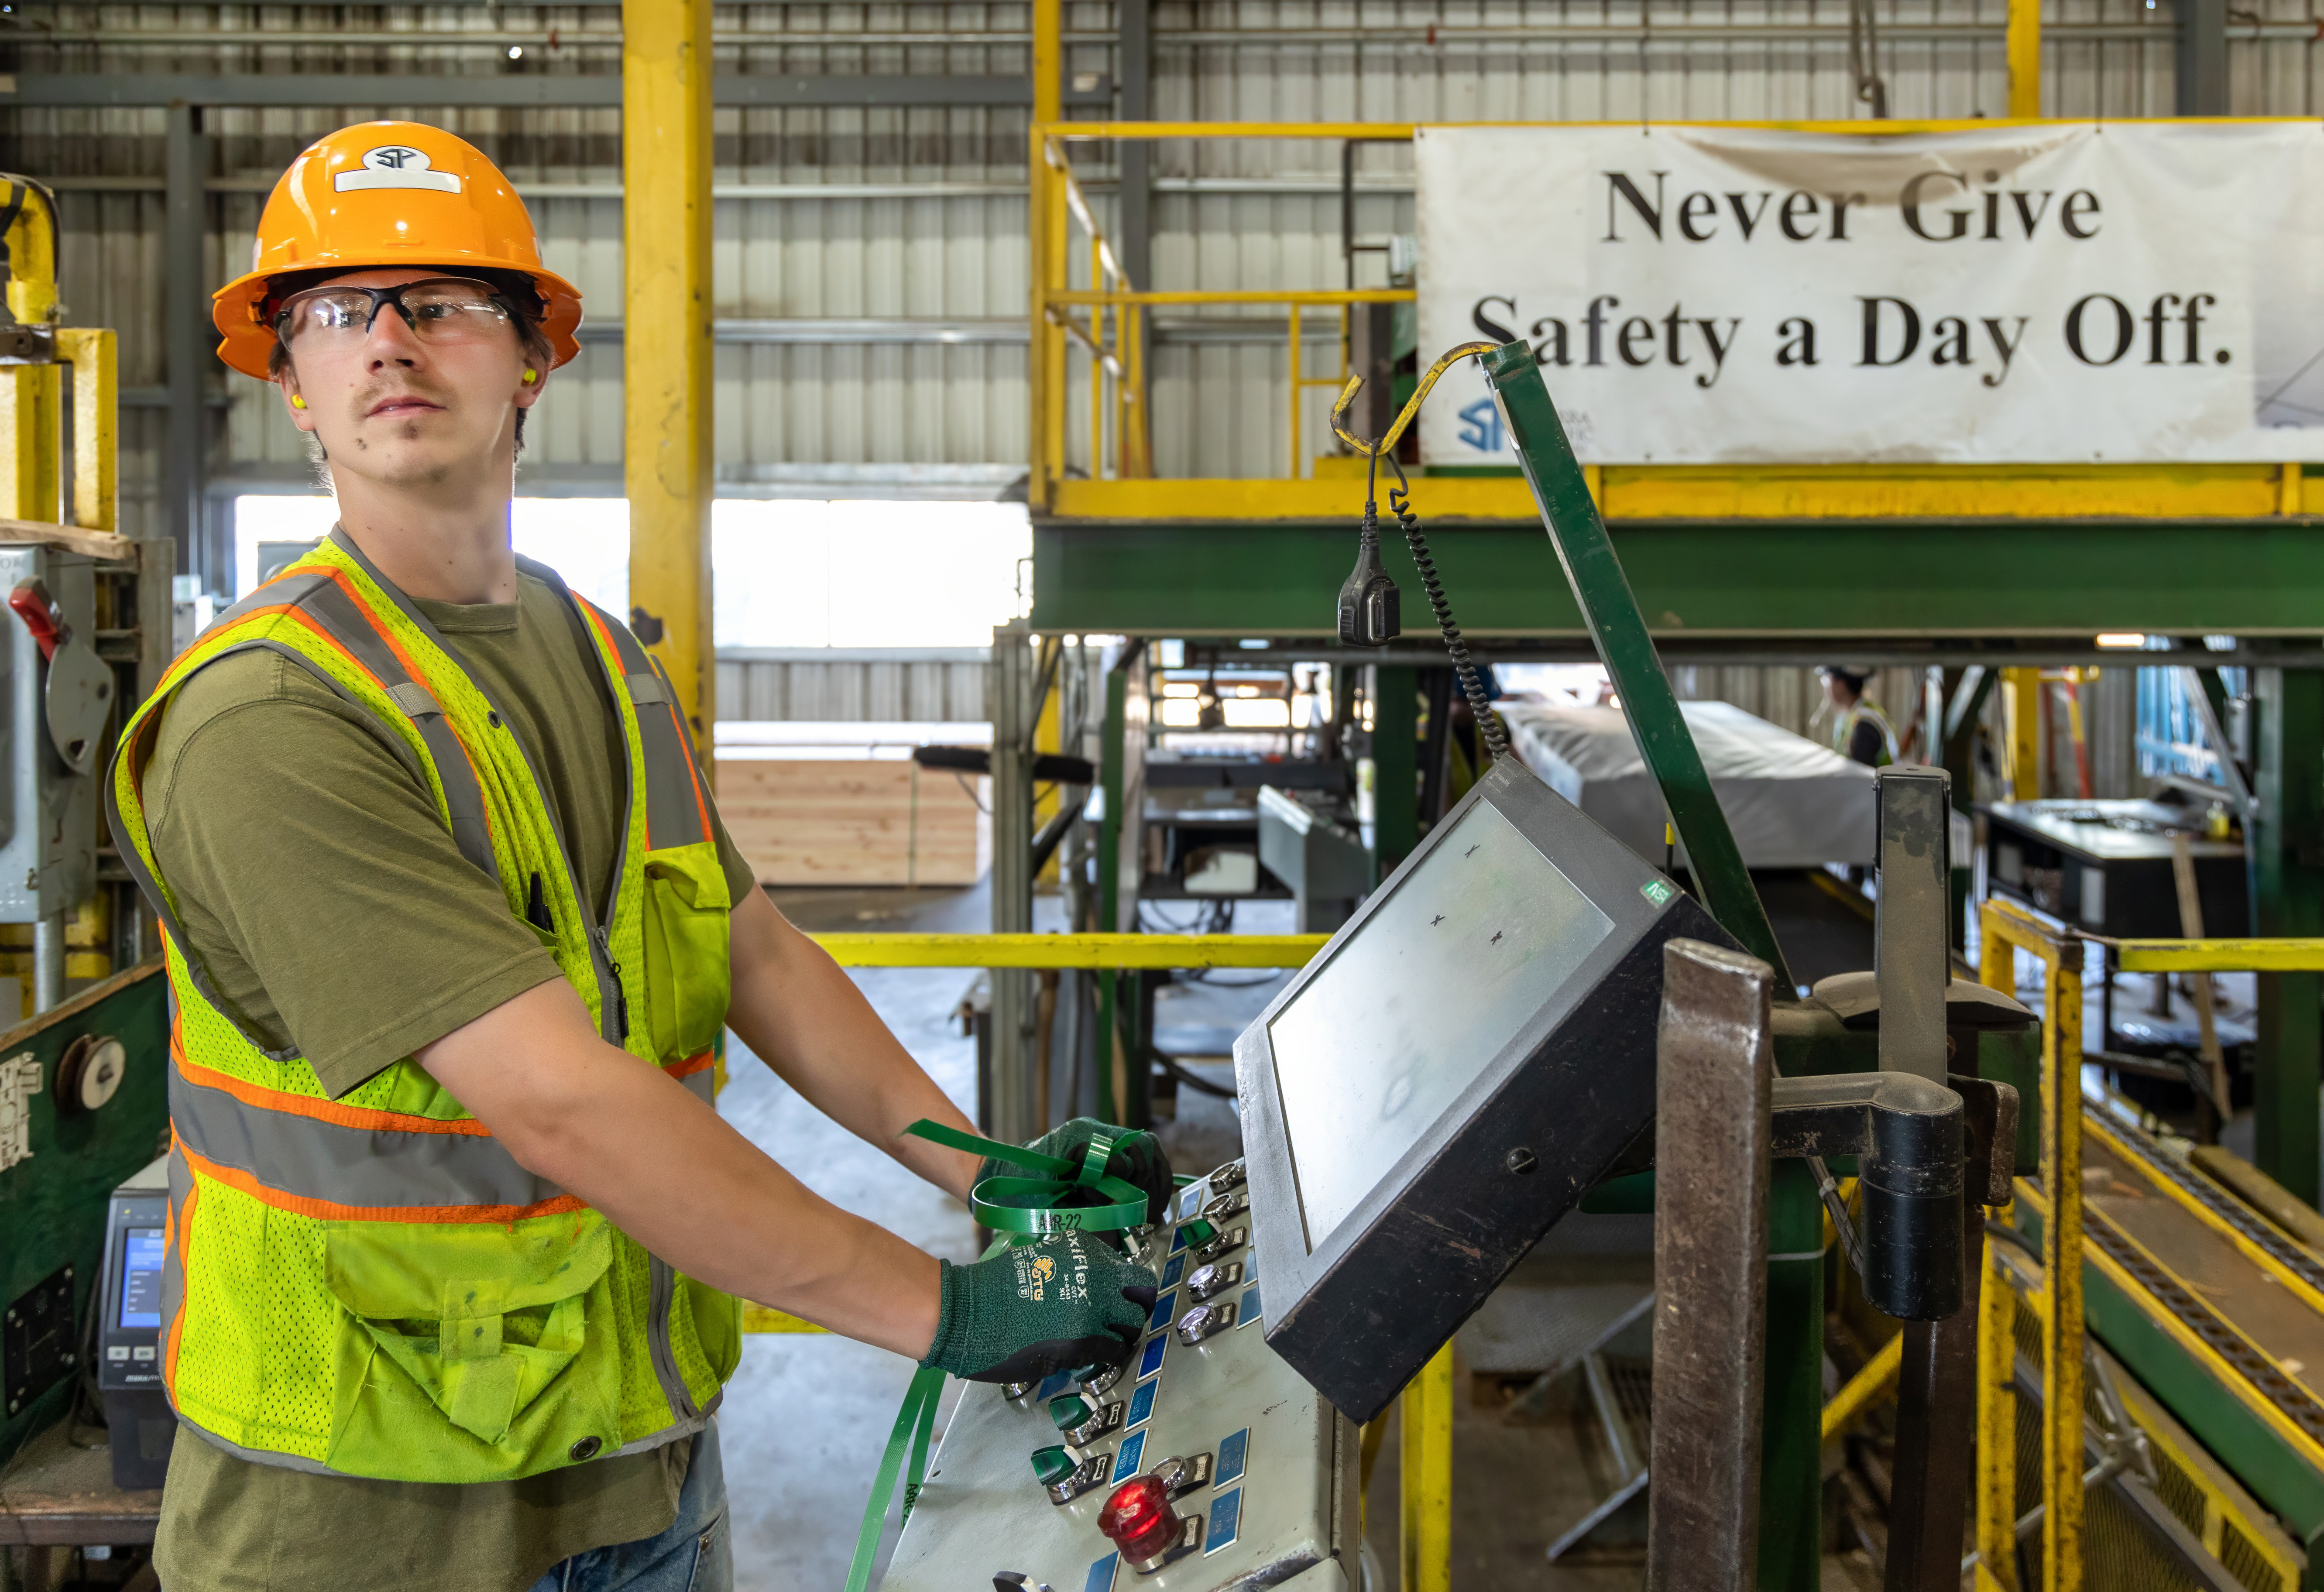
pixel 806 1417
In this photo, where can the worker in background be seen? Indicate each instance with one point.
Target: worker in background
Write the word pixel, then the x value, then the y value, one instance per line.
pixel 1859 732
pixel 456 1236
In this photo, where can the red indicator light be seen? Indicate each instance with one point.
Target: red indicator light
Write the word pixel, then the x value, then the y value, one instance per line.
pixel 1138 1519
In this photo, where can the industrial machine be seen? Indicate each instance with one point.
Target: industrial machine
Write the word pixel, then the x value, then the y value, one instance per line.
pixel 128 1335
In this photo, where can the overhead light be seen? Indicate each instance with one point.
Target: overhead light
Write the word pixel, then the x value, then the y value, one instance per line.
pixel 516 52
pixel 2130 639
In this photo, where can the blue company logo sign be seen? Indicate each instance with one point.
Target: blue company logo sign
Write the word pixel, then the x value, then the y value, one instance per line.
pixel 1480 426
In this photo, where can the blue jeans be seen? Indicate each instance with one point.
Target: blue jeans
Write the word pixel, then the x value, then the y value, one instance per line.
pixel 694 1555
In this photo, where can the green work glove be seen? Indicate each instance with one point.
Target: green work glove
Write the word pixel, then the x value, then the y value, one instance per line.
pixel 1024 1313
pixel 1136 1160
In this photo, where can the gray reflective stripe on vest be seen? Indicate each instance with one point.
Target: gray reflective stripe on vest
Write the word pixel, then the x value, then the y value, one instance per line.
pixel 379 1167
pixel 463 799
pixel 285 592
pixel 173 1272
pixel 664 1358
pixel 673 804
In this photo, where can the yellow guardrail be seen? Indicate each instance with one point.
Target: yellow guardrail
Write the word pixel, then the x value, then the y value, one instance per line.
pixel 2217 956
pixel 1125 953
pixel 2009 929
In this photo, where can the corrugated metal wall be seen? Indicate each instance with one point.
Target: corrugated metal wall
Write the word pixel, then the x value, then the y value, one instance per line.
pixel 933 686
pixel 915 214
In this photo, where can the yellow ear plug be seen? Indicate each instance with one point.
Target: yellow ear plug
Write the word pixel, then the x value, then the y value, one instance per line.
pixel 298 402
pixel 531 377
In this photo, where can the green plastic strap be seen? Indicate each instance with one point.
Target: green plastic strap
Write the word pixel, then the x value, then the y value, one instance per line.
pixel 1028 1205
pixel 913 1423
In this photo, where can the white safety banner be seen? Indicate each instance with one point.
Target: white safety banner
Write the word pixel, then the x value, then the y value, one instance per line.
pixel 2065 292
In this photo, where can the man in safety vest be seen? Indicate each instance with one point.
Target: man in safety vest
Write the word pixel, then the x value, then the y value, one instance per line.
pixel 456 1236
pixel 1859 732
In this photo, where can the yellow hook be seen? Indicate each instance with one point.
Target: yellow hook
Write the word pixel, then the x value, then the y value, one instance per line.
pixel 1347 395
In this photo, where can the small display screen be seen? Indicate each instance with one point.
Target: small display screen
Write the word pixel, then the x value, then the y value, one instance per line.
pixel 141 1278
pixel 1414 1006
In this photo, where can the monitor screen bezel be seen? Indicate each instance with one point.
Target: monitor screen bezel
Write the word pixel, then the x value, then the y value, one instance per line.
pixel 1612 876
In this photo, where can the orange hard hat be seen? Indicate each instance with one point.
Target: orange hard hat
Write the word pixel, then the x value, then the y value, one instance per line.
pixel 388 194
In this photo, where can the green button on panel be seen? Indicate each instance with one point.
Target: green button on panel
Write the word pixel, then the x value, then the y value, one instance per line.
pixel 1068 1409
pixel 1052 1465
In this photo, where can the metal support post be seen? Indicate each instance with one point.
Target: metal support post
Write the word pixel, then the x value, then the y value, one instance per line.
pixel 1135 201
pixel 1936 1377
pixel 1603 592
pixel 1908 946
pixel 187 340
pixel 2287 853
pixel 2202 58
pixel 2021 708
pixel 2024 48
pixel 1791 1435
pixel 1395 692
pixel 1425 1542
pixel 669 464
pixel 48 962
pixel 1997 1427
pixel 1714 1070
pixel 1009 699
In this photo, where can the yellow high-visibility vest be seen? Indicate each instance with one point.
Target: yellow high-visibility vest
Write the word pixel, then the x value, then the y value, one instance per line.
pixel 372 1285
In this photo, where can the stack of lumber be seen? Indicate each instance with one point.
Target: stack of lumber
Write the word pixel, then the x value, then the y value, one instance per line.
pixel 816 820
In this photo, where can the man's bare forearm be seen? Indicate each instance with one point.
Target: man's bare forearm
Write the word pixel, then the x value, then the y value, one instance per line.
pixel 637 1145
pixel 804 1016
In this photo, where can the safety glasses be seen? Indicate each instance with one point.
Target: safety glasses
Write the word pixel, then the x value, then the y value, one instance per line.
pixel 439 309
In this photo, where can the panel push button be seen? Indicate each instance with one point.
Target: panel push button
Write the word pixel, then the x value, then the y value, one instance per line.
pixel 1140 1521
pixel 1080 1423
pixel 1226 1243
pixel 1063 1479
pixel 1204 1321
pixel 1212 1280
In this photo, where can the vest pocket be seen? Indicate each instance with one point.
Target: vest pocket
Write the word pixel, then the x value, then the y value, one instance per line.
pixel 686 930
pixel 492 1325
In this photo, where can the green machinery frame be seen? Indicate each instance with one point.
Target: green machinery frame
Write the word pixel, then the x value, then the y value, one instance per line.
pixel 1950 591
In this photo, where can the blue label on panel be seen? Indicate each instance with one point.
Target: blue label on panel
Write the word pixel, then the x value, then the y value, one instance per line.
pixel 1164 1307
pixel 1226 1521
pixel 1174 1271
pixel 1250 1310
pixel 1101 1574
pixel 1126 1462
pixel 1141 1403
pixel 1151 1360
pixel 1178 1240
pixel 1250 1265
pixel 1051 1387
pixel 1230 1457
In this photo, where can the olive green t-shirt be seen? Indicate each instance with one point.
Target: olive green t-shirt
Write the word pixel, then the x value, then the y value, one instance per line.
pixel 335 912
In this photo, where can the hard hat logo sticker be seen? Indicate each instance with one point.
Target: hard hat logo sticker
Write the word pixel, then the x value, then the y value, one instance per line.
pixel 396 165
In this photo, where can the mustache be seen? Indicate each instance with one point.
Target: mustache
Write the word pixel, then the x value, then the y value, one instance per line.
pixel 380 393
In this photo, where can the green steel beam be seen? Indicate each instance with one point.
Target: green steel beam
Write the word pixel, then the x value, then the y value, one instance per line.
pixel 1772 578
pixel 1396 766
pixel 2287 875
pixel 1618 628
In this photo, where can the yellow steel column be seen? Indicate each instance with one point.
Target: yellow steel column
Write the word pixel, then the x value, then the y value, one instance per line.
pixel 1997 1430
pixel 2021 711
pixel 92 352
pixel 2061 1270
pixel 31 416
pixel 32 405
pixel 669 461
pixel 1045 372
pixel 2025 51
pixel 1425 1541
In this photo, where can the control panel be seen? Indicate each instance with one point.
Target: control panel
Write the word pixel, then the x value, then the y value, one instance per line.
pixel 1203 1463
pixel 129 1330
